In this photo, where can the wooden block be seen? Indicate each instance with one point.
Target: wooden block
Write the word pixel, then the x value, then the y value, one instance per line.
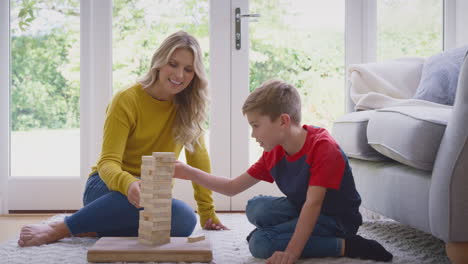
pixel 164 195
pixel 158 228
pixel 158 163
pixel 128 249
pixel 147 227
pixel 157 203
pixel 164 170
pixel 164 156
pixel 154 187
pixel 148 203
pixel 148 195
pixel 157 207
pixel 157 182
pixel 160 214
pixel 154 235
pixel 154 226
pixel 162 201
pixel 157 220
pixel 196 238
pixel 162 177
pixel 149 216
pixel 146 172
pixel 147 161
pixel 150 206
pixel 159 175
pixel 152 211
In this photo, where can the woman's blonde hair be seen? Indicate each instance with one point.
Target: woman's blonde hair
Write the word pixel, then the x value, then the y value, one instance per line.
pixel 190 103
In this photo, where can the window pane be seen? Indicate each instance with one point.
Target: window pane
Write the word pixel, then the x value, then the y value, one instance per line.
pixel 45 88
pixel 301 42
pixel 409 28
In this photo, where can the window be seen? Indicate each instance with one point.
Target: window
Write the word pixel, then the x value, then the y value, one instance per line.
pixel 409 28
pixel 45 88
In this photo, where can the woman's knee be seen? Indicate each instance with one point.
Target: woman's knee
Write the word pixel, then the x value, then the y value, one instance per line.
pixel 95 188
pixel 260 245
pixel 183 220
pixel 257 210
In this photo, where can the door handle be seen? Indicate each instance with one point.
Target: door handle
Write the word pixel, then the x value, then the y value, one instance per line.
pixel 237 32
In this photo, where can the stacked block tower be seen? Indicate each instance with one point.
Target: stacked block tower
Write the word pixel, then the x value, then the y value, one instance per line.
pixel 156 198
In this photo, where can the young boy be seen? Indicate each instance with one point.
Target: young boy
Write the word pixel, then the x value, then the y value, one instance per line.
pixel 319 216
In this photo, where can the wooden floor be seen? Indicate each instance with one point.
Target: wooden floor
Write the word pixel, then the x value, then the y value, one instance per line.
pixel 10 225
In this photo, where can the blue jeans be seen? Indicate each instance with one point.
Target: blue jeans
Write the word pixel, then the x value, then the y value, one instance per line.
pixel 276 219
pixel 109 213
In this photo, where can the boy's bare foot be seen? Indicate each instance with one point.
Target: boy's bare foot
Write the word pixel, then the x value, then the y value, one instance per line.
pixel 36 235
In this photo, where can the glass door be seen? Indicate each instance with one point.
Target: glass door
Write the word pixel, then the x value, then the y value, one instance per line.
pixel 301 42
pixel 44 105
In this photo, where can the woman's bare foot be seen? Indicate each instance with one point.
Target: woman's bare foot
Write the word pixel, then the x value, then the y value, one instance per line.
pixel 36 235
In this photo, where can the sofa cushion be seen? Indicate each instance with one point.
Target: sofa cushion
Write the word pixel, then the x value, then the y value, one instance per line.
pixel 350 132
pixel 440 76
pixel 408 134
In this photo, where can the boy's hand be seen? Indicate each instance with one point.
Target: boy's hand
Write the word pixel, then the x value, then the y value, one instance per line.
pixel 182 171
pixel 210 225
pixel 282 257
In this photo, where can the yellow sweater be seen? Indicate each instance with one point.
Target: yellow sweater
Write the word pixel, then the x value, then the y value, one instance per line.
pixel 137 125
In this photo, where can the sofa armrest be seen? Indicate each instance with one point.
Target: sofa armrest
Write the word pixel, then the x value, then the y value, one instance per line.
pixel 448 201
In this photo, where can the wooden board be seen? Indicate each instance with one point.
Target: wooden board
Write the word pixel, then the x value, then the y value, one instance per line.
pixel 116 249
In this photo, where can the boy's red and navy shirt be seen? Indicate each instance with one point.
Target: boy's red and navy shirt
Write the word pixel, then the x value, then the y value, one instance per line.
pixel 320 162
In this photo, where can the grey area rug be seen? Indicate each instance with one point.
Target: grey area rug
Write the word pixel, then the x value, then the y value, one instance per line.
pixel 406 244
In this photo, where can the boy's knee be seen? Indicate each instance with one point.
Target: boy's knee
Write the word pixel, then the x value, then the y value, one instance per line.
pixel 257 210
pixel 260 245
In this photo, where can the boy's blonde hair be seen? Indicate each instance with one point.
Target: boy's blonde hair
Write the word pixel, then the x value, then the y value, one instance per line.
pixel 190 103
pixel 273 98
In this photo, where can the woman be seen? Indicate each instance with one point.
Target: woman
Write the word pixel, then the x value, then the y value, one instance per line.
pixel 162 113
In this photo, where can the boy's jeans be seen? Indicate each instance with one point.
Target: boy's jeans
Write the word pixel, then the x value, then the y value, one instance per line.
pixel 276 219
pixel 109 213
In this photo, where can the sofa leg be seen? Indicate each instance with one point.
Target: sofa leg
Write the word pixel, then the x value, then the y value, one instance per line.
pixel 457 252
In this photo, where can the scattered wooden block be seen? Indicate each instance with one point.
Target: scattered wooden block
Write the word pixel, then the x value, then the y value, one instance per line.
pixel 196 238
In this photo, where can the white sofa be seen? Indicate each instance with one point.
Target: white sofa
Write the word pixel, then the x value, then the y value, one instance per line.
pixel 410 163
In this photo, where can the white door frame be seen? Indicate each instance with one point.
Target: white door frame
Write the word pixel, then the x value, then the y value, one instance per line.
pixel 96 78
pixel 63 193
pixel 360 37
pixel 240 128
pixel 219 87
pixel 4 104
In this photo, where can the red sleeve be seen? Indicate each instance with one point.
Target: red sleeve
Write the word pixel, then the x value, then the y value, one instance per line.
pixel 260 170
pixel 327 164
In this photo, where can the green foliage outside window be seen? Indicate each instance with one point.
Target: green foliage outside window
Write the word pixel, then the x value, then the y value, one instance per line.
pixel 45 65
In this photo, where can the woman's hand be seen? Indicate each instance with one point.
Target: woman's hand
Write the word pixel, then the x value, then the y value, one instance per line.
pixel 210 225
pixel 182 171
pixel 133 193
